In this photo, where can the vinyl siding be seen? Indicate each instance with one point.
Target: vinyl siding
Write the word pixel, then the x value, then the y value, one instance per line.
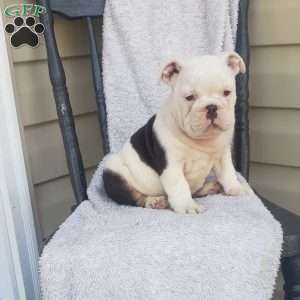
pixel 275 104
pixel 275 100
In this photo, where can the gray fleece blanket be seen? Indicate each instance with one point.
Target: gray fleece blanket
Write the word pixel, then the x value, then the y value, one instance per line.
pixel 110 252
pixel 106 251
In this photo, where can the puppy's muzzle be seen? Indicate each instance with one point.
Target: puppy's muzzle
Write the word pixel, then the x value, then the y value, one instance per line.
pixel 211 113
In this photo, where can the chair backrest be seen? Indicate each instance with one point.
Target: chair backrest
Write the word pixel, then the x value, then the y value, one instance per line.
pixel 94 8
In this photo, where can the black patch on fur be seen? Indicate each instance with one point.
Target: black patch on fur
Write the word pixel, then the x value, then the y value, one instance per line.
pixel 117 188
pixel 147 146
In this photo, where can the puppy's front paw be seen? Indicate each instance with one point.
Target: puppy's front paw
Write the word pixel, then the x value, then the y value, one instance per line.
pixel 235 189
pixel 188 207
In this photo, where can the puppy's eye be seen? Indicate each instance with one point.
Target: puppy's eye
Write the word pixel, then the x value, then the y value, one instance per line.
pixel 226 93
pixel 190 98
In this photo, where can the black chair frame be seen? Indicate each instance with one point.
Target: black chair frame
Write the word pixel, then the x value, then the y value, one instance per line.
pixel 94 9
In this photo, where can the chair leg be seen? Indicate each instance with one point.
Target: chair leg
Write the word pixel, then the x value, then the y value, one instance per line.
pixel 291 274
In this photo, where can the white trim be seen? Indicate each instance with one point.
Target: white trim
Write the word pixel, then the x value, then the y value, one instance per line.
pixel 18 243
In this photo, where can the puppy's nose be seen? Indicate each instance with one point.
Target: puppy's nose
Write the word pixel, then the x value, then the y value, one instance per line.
pixel 211 112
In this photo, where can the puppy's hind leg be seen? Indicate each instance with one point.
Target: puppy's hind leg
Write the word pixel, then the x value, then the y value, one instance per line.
pixel 158 202
pixel 121 192
pixel 116 179
pixel 118 189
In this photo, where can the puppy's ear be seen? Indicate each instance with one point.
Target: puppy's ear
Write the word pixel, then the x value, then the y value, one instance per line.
pixel 170 72
pixel 235 62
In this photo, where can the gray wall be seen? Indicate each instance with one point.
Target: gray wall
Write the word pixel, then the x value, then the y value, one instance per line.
pixel 275 100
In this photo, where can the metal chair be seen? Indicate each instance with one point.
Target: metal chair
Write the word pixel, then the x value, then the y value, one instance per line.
pixel 89 10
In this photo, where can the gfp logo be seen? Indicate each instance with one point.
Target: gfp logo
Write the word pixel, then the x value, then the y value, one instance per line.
pixel 24 29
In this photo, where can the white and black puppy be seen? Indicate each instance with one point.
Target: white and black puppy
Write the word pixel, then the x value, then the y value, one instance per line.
pixel 166 162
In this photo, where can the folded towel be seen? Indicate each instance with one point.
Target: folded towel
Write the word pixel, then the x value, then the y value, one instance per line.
pixel 111 252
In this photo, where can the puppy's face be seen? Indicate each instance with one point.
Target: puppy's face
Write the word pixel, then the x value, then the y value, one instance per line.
pixel 203 93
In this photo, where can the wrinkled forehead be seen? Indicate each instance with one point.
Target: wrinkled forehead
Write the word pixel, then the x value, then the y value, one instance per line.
pixel 209 72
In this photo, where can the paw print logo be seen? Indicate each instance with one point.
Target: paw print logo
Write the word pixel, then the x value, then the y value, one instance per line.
pixel 24 31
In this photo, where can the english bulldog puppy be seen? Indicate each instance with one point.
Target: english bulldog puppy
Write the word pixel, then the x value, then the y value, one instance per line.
pixel 166 162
